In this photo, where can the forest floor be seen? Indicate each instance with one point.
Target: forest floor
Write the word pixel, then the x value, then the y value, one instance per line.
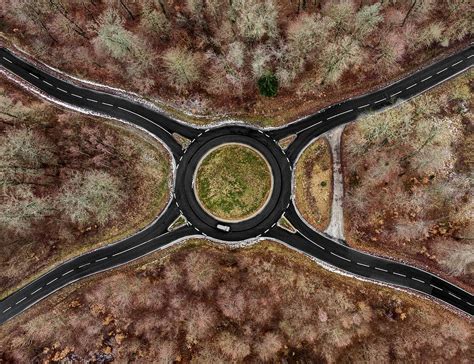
pixel 408 181
pixel 199 302
pixel 70 183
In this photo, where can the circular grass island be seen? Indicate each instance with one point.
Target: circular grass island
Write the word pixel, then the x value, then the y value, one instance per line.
pixel 233 182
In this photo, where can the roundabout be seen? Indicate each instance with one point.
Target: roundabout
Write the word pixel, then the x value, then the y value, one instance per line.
pixel 259 219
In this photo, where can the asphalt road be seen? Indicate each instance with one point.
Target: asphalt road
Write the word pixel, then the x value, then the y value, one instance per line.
pixel 306 240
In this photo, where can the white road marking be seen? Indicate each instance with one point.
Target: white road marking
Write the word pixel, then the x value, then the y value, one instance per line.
pixel 48 83
pixel 419 280
pixel 106 103
pixel 409 87
pixel 7 309
pixel 365 265
pixel 381 269
pixel 6 59
pixel 452 294
pixel 62 90
pixel 432 285
pixel 472 55
pixel 24 298
pixel 319 246
pixel 84 265
pixel 79 96
pixel 69 271
pixel 341 113
pixel 396 93
pixel 337 255
pixel 35 291
pixel 51 281
pixel 399 274
pixel 469 303
pixel 361 107
pixel 454 64
pixel 91 100
pixel 427 78
pixel 376 102
pixel 444 69
pixel 32 74
pixel 101 259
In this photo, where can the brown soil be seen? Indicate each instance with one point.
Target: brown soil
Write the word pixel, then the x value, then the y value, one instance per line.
pixel 313 184
pixel 199 302
pixel 77 144
pixel 408 193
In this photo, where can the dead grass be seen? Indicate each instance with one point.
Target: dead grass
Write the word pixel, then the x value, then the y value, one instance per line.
pixel 233 182
pixel 260 303
pixel 313 184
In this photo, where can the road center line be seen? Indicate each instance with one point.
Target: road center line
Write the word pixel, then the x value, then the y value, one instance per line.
pixel 376 102
pixel 337 255
pixel 396 93
pixel 101 259
pixel 105 103
pixel 361 107
pixel 427 78
pixel 24 298
pixel 35 291
pixel 341 113
pixel 6 59
pixel 452 294
pixel 84 265
pixel 48 83
pixel 69 271
pixel 75 95
pixel 419 280
pixel 51 281
pixel 444 69
pixel 409 87
pixel 91 100
pixel 7 309
pixel 32 74
pixel 399 274
pixel 472 55
pixel 381 269
pixel 432 285
pixel 62 90
pixel 362 264
pixel 454 64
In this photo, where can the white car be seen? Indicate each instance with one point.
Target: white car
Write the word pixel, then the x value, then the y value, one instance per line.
pixel 223 228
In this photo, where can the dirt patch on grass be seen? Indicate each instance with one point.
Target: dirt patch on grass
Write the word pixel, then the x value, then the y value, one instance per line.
pixel 201 302
pixel 313 184
pixel 233 182
pixel 70 183
pixel 408 181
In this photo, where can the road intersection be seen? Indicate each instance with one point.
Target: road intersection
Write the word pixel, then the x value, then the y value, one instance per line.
pixel 305 239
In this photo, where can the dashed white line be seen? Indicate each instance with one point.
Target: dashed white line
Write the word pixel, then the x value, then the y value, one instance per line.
pixel 361 107
pixel 101 259
pixel 24 298
pixel 452 294
pixel 62 90
pixel 319 246
pixel 337 255
pixel 469 303
pixel 92 100
pixel 6 59
pixel 432 285
pixel 472 55
pixel 48 83
pixel 364 265
pixel 341 113
pixel 427 78
pixel 417 279
pixel 84 265
pixel 36 291
pixel 7 309
pixel 444 69
pixel 376 102
pixel 455 64
pixel 381 269
pixel 32 74
pixel 51 281
pixel 69 271
pixel 399 274
pixel 107 104
pixel 396 93
pixel 75 95
pixel 409 87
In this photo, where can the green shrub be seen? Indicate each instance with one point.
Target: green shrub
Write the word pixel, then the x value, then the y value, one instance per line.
pixel 268 85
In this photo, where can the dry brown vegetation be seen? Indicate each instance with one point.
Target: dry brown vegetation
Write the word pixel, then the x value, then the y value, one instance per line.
pixel 408 181
pixel 201 303
pixel 68 183
pixel 313 184
pixel 206 56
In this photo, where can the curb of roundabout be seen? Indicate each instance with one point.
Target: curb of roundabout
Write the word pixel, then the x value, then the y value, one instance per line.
pixel 270 213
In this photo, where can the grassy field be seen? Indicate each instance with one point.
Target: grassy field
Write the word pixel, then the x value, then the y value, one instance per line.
pixel 313 184
pixel 233 182
pixel 70 183
pixel 199 302
pixel 408 181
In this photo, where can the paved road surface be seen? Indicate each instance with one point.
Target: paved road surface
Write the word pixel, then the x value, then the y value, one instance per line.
pixel 306 239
